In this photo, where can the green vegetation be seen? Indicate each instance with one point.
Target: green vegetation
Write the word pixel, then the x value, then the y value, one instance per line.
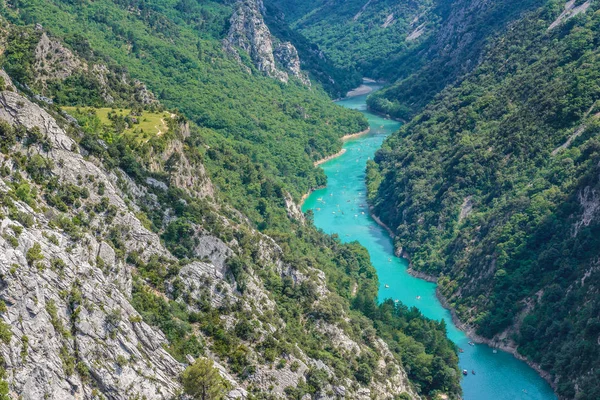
pixel 420 47
pixel 429 357
pixel 490 188
pixel 141 125
pixel 282 128
pixel 202 381
pixel 357 36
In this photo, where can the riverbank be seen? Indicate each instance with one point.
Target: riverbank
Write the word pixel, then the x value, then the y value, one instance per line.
pixel 506 345
pixel 342 151
pixel 381 223
pixel 331 157
pixel 359 91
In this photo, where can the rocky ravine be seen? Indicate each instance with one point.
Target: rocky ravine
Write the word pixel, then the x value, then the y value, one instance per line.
pixel 67 290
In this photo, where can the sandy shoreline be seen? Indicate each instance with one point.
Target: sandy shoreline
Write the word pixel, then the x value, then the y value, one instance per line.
pixel 342 151
pixel 331 157
pixel 359 91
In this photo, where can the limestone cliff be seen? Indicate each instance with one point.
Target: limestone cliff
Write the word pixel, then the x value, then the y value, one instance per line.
pixel 71 273
pixel 249 33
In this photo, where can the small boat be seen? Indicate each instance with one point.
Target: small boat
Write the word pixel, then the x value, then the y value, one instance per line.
pixel 473 371
pixel 387 286
pixel 418 297
pixel 471 344
pixel 494 351
pixel 389 260
pixel 396 301
pixel 465 372
pixel 461 350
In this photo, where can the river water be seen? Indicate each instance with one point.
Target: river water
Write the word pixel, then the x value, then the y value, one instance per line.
pixel 342 208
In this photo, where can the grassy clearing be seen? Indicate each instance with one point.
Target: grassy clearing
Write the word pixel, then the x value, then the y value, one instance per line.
pixel 143 127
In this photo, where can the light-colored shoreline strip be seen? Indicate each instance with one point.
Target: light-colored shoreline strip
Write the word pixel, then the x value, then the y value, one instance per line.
pixel 331 157
pixel 342 151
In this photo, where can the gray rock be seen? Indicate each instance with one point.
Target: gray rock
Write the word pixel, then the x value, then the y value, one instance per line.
pixel 248 32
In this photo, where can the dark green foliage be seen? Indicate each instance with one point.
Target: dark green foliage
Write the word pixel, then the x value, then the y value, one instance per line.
pixel 171 318
pixel 18 58
pixel 516 141
pixel 283 128
pixel 202 381
pixel 429 357
pixel 336 81
pixel 352 34
pixel 446 55
pixel 34 254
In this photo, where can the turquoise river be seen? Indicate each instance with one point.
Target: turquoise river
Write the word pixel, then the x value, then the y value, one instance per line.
pixel 341 208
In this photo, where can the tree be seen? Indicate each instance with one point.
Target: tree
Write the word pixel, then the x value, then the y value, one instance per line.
pixel 202 381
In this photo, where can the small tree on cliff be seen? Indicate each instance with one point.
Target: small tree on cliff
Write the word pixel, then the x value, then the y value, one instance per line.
pixel 202 381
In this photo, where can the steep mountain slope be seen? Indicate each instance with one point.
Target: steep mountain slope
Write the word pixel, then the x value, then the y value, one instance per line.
pixel 493 188
pixel 178 52
pixel 370 36
pixel 464 29
pixel 124 257
pixel 418 46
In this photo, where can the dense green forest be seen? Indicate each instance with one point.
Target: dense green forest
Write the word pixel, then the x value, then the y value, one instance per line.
pixel 181 60
pixel 417 46
pixel 453 49
pixel 370 37
pixel 257 139
pixel 493 188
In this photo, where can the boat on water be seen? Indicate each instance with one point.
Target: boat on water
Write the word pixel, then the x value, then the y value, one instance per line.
pixel 387 286
pixel 471 344
pixel 418 297
pixel 461 350
pixel 465 372
pixel 473 371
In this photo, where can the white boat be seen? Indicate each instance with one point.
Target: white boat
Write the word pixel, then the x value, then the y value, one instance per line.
pixel 387 286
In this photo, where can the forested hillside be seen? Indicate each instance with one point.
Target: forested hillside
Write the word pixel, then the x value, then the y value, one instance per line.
pixel 494 187
pixel 419 47
pixel 151 153
pixel 371 37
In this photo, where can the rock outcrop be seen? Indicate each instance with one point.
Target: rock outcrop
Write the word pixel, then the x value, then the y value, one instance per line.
pixel 74 332
pixel 249 33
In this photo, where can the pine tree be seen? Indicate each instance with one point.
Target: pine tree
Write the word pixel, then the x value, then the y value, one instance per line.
pixel 203 381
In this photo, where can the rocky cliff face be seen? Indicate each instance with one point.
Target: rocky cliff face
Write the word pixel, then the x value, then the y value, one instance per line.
pixel 74 332
pixel 68 274
pixel 248 32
